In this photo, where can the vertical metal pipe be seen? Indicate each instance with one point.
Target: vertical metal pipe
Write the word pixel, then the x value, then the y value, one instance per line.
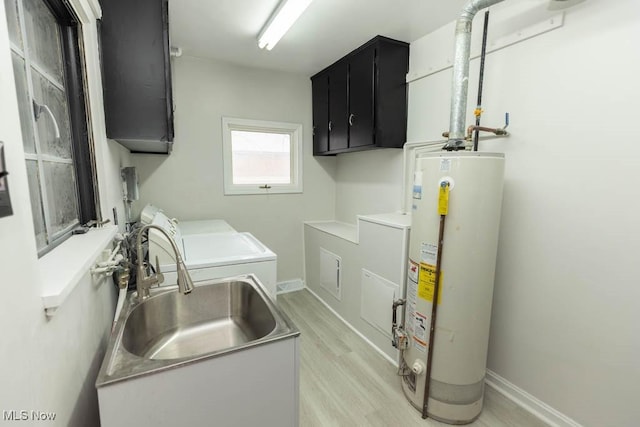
pixel 460 84
pixel 485 31
pixel 434 313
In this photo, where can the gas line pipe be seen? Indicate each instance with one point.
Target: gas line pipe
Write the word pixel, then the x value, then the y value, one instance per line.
pixel 443 210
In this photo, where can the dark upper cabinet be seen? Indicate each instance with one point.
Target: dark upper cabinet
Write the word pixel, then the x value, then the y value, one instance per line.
pixel 320 93
pixel 364 97
pixel 137 74
pixel 338 109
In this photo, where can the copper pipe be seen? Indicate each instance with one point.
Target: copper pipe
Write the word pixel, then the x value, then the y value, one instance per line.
pixel 470 129
pixel 495 131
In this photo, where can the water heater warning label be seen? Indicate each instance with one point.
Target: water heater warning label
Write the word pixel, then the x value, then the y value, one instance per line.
pixel 428 253
pixel 427 281
pixel 412 295
pixel 420 332
pixel 417 185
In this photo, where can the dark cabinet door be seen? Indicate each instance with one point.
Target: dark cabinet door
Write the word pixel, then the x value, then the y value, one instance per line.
pixel 361 98
pixel 392 60
pixel 320 92
pixel 137 74
pixel 338 111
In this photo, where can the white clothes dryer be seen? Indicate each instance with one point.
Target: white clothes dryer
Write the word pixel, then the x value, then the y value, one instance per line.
pixel 211 249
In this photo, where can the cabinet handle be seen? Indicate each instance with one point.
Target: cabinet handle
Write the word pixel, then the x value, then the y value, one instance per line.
pixel 330 126
pixel 351 117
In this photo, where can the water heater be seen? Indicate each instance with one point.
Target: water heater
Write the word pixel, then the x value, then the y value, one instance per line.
pixel 469 186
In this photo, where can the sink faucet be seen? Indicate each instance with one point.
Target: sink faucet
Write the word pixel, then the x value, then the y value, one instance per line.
pixel 144 281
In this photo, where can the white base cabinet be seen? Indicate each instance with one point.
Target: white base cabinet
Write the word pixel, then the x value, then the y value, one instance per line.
pixel 258 386
pixel 369 267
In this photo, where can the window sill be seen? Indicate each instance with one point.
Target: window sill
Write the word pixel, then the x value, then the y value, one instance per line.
pixel 62 269
pixel 248 190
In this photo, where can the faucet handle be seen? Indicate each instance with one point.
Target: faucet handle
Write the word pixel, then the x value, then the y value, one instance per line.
pixel 159 275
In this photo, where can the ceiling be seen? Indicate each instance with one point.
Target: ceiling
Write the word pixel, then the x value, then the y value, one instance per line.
pixel 227 30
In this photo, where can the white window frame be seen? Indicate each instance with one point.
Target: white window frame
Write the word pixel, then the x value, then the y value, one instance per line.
pixel 295 132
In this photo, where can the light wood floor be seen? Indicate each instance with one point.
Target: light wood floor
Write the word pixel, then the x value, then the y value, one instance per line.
pixel 344 382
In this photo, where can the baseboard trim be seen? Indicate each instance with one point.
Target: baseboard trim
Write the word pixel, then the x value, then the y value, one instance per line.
pixel 289 286
pixel 350 326
pixel 528 402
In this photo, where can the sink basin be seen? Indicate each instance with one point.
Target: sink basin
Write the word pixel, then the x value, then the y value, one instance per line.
pixel 169 329
pixel 210 319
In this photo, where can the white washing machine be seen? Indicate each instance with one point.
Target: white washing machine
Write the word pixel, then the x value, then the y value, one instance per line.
pixel 211 249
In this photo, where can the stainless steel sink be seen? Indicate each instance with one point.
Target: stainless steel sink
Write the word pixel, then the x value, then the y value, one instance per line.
pixel 170 329
pixel 212 318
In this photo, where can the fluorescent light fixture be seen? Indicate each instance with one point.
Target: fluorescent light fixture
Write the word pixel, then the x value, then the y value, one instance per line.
pixel 280 22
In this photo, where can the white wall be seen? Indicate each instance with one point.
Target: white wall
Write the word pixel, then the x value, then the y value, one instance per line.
pixel 51 364
pixel 368 182
pixel 188 183
pixel 565 315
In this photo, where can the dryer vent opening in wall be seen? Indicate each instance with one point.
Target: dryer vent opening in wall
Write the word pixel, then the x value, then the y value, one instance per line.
pixel 331 273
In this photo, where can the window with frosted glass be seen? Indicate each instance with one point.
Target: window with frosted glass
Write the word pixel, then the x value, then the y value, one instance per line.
pixel 261 157
pixel 41 64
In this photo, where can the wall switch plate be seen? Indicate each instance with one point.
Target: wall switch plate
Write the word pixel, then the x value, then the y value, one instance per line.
pixel 5 200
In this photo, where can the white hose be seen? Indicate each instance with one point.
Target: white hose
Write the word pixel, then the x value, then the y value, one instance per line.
pixel 122 295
